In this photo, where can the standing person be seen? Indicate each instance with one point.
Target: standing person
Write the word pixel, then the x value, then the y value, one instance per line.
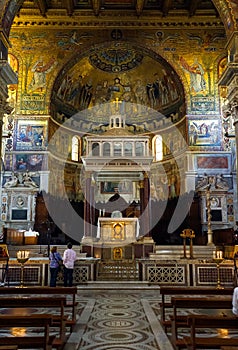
pixel 69 258
pixel 55 261
pixel 235 301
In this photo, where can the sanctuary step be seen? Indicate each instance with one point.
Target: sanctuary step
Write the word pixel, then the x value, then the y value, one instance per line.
pixel 115 285
pixel 176 252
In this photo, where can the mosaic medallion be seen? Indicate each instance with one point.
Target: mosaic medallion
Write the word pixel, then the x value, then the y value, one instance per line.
pixel 116 59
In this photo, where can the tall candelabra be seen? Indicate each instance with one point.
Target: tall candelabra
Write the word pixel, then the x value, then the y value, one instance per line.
pixel 22 258
pixel 218 258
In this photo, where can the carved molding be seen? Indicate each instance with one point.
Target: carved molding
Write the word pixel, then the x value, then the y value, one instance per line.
pixel 126 19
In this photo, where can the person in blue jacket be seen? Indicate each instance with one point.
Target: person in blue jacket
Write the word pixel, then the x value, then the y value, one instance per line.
pixel 55 262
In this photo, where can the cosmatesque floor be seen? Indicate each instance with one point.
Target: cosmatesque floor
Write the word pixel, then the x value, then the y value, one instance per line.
pixel 118 317
pixel 118 320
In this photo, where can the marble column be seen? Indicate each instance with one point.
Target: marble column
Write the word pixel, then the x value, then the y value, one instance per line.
pixel 87 207
pixel 228 83
pixel 144 206
pixel 7 76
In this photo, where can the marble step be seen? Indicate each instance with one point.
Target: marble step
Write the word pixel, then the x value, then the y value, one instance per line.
pixel 117 285
pixel 176 252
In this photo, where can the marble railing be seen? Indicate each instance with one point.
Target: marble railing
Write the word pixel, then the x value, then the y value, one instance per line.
pixel 190 272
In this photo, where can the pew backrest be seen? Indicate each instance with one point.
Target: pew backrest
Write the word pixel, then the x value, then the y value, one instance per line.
pixel 43 321
pixel 35 291
pixel 169 291
pixel 196 322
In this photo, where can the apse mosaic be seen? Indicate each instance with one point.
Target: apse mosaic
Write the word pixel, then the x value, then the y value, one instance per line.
pixel 120 76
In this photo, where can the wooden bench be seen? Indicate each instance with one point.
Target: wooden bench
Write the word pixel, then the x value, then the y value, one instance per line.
pixel 50 291
pixel 169 291
pixel 197 322
pixel 183 303
pixel 43 322
pixel 25 304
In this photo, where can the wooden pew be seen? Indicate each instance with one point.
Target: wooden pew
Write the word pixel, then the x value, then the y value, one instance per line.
pixel 169 291
pixel 208 303
pixel 70 292
pixel 196 322
pixel 37 341
pixel 26 303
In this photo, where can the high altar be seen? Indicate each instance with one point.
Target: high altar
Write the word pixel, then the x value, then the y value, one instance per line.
pixel 117 231
pixel 117 166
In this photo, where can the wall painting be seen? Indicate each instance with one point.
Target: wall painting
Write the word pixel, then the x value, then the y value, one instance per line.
pixel 204 132
pixel 30 135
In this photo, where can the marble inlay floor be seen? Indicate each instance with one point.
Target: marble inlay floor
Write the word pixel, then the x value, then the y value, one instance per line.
pixel 118 320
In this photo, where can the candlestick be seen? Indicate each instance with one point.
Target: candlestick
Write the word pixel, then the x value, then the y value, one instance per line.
pixel 218 260
pixel 22 257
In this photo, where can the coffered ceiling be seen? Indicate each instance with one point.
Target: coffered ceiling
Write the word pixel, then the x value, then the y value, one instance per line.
pixel 160 8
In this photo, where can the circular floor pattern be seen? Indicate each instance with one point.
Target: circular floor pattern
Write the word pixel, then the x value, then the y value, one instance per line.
pixel 105 314
pixel 120 323
pixel 118 337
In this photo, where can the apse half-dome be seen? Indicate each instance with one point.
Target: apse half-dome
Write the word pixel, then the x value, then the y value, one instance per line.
pixel 119 73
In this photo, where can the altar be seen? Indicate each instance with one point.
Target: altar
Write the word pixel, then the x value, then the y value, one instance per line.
pixel 117 231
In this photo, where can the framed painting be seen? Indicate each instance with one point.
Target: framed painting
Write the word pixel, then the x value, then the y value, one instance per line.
pixel 121 187
pixel 204 132
pixel 31 135
pixel 28 162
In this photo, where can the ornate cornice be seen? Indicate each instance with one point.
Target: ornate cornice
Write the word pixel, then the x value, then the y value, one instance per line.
pixel 112 19
pixel 229 73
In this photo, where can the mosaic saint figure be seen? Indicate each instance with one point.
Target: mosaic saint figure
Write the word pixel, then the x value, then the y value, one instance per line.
pixel 40 69
pixel 196 72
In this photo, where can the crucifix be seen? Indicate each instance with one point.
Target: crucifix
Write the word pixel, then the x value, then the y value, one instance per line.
pixel 117 102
